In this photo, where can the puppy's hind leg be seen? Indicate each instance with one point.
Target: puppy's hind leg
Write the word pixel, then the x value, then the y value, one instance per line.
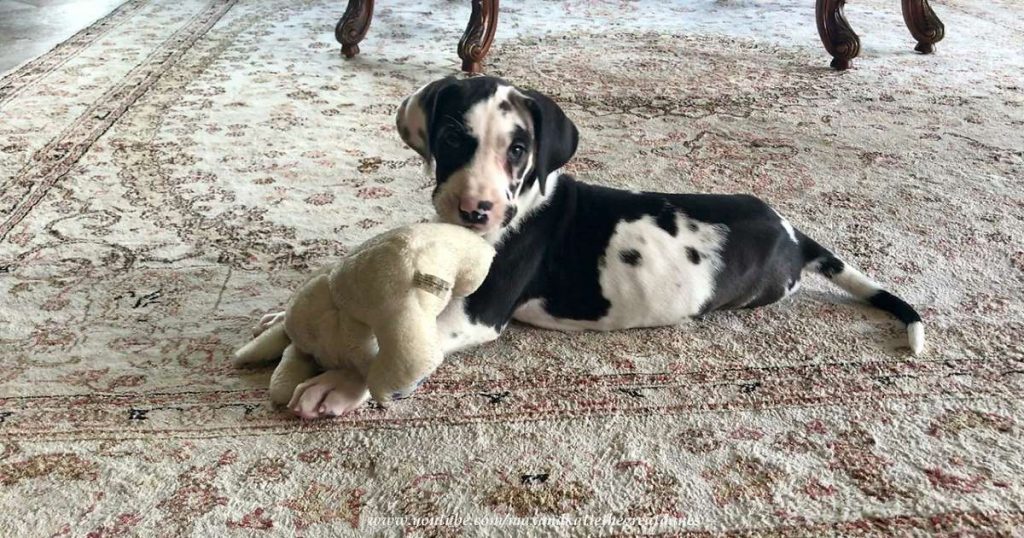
pixel 295 368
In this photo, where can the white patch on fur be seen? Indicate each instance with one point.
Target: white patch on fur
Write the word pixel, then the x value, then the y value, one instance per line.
pixel 493 130
pixel 792 287
pixel 856 283
pixel 534 313
pixel 787 226
pixel 413 120
pixel 915 333
pixel 458 332
pixel 663 288
pixel 527 170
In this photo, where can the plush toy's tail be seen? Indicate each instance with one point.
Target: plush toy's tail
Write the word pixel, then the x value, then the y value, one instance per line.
pixel 266 347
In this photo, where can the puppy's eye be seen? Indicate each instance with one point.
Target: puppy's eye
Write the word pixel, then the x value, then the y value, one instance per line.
pixel 516 151
pixel 452 139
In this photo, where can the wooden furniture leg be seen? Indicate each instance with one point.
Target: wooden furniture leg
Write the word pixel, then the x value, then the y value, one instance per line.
pixel 836 34
pixel 924 25
pixel 352 26
pixel 479 34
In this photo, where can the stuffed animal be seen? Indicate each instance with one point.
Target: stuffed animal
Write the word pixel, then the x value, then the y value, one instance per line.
pixel 371 319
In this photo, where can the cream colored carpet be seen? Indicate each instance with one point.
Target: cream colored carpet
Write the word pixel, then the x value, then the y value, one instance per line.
pixel 172 172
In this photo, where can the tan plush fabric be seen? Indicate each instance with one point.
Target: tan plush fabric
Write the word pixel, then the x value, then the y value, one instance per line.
pixel 178 169
pixel 371 317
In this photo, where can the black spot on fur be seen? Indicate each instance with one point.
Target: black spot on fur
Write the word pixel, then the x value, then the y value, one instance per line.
pixel 455 335
pixel 452 148
pixel 831 267
pixel 630 257
pixel 521 135
pixel 667 221
pixel 505 106
pixel 693 255
pixel 692 226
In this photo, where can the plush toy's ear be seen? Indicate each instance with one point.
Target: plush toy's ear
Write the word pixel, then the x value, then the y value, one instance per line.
pixel 555 133
pixel 416 115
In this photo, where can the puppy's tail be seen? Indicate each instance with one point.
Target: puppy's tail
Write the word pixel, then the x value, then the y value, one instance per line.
pixel 820 259
pixel 268 346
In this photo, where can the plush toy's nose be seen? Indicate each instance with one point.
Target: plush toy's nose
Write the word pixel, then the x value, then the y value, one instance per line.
pixel 407 391
pixel 474 210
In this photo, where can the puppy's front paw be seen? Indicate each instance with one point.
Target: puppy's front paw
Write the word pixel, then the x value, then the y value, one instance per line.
pixel 330 394
pixel 267 321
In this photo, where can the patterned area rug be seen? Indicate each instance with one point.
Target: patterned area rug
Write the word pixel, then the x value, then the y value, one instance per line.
pixel 173 171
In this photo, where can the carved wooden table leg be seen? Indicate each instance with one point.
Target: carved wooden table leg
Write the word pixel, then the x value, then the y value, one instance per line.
pixel 926 28
pixel 836 34
pixel 479 34
pixel 352 27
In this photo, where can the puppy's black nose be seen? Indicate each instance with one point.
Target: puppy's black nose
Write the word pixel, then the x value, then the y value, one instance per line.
pixel 474 211
pixel 473 217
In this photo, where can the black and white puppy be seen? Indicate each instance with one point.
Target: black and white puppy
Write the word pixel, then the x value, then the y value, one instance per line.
pixel 572 256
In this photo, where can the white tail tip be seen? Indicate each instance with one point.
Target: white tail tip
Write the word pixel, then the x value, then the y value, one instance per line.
pixel 915 331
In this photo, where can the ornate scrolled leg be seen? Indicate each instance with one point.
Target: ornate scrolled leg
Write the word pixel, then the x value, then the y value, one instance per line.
pixel 836 34
pixel 924 25
pixel 352 27
pixel 479 34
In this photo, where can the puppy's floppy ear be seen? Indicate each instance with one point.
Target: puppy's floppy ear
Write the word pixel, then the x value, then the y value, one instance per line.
pixel 555 133
pixel 416 115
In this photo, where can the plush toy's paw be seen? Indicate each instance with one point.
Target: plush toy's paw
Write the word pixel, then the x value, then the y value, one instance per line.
pixel 267 321
pixel 330 394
